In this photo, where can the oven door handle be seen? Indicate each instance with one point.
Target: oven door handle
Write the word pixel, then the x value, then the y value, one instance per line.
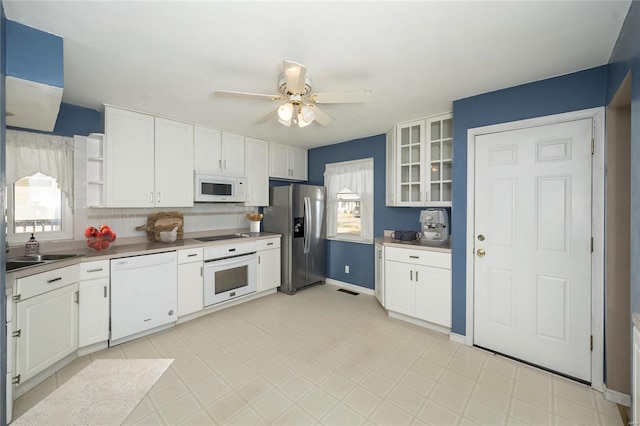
pixel 307 223
pixel 241 258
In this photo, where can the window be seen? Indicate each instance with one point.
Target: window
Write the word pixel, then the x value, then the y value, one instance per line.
pixel 38 192
pixel 350 200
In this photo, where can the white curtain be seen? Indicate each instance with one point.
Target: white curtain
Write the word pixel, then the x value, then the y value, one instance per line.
pixel 357 176
pixel 29 153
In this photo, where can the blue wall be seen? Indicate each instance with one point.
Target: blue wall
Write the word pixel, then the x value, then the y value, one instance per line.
pixel 625 58
pixel 572 92
pixel 360 257
pixel 34 55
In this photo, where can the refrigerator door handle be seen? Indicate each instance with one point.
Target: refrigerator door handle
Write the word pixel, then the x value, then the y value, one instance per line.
pixel 307 223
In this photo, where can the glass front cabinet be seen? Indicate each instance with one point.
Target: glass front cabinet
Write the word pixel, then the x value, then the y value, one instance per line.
pixel 419 160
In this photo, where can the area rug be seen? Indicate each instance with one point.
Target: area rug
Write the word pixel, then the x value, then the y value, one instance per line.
pixel 103 393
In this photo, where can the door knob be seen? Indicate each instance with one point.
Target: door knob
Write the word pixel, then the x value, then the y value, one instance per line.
pixel 480 237
pixel 481 252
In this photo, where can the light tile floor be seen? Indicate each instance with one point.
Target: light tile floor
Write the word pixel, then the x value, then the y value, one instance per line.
pixel 326 357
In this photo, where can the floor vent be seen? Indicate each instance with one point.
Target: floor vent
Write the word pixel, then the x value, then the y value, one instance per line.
pixel 353 293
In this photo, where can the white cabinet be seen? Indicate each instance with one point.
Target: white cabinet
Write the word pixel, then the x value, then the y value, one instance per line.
pixel 148 160
pixel 190 284
pixel 46 329
pixel 219 153
pixel 286 162
pixel 379 273
pixel 93 310
pixel 419 162
pixel 257 167
pixel 418 284
pixel 268 271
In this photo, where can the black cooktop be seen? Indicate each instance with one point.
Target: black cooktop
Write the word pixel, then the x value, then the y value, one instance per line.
pixel 222 237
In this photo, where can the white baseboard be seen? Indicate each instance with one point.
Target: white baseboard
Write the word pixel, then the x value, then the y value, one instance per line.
pixel 458 338
pixel 419 322
pixel 617 397
pixel 351 287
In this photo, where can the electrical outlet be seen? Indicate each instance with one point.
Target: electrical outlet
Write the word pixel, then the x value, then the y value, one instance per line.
pixel 346 269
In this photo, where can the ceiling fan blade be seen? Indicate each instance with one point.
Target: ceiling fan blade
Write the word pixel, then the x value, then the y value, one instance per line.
pixel 321 117
pixel 355 97
pixel 229 94
pixel 268 116
pixel 296 75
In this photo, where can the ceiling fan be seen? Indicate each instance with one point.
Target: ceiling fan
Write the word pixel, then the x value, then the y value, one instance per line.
pixel 300 107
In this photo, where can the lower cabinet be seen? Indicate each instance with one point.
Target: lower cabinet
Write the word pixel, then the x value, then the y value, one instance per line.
pixel 268 271
pixel 190 284
pixel 46 328
pixel 93 311
pixel 418 284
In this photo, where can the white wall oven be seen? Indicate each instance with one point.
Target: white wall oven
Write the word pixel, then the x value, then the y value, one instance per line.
pixel 229 272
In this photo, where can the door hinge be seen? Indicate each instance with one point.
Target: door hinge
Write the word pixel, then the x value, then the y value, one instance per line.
pixel 16 380
pixel 593 146
pixel 17 333
pixel 591 244
pixel 591 343
pixel 16 298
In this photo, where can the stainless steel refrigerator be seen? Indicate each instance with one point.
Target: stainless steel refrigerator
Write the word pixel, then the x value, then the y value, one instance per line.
pixel 297 212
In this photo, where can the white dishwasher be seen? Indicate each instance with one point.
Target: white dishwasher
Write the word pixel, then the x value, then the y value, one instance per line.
pixel 144 295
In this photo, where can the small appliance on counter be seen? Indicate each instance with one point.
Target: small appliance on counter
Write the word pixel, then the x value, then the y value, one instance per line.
pixel 435 227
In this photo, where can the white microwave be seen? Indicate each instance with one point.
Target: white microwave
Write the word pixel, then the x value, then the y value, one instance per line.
pixel 219 189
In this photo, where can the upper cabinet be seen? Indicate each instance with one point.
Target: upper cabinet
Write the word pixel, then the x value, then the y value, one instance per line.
pixel 288 163
pixel 219 153
pixel 257 166
pixel 419 161
pixel 148 161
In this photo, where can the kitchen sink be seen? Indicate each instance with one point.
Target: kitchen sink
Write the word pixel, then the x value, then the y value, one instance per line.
pixel 27 261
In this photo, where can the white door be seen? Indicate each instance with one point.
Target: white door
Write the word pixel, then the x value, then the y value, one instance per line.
pixel 232 154
pixel 268 269
pixel 399 288
pixel 93 312
pixel 532 291
pixel 257 168
pixel 173 163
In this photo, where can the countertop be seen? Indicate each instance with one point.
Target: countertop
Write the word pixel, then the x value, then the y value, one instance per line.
pixel 124 250
pixel 417 244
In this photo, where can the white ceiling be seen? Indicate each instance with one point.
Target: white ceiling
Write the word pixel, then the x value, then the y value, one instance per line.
pixel 167 57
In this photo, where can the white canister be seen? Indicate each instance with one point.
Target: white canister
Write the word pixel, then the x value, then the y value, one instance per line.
pixel 254 226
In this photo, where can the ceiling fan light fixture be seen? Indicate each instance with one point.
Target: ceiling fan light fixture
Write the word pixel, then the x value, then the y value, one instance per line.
pixel 284 122
pixel 307 113
pixel 285 112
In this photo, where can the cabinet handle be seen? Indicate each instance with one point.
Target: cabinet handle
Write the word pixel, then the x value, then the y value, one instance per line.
pixel 426 195
pixel 411 276
pixel 269 244
pixel 94 270
pixel 105 291
pixel 53 280
pixel 158 197
pixel 258 260
pixel 77 296
pixel 414 257
pixel 151 197
pixel 193 254
pixel 201 268
pixel 416 276
pixel 219 164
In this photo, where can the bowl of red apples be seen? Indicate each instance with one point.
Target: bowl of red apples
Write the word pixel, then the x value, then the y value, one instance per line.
pixel 99 238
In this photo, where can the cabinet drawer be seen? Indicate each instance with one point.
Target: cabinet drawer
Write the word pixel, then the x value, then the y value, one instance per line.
pixel 92 270
pixel 269 243
pixel 189 255
pixel 46 281
pixel 418 257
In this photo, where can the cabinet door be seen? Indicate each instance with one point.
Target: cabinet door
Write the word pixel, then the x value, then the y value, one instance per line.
pixel 410 173
pixel 173 163
pixel 399 287
pixel 390 191
pixel 48 327
pixel 298 159
pixel 433 295
pixel 208 146
pixel 439 158
pixel 93 312
pixel 190 288
pixel 232 154
pixel 257 167
pixel 129 158
pixel 268 269
pixel 279 161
